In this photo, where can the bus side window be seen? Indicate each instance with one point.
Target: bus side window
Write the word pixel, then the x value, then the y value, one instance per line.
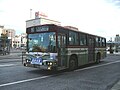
pixel 100 41
pixel 97 41
pixel 103 42
pixel 73 38
pixel 83 39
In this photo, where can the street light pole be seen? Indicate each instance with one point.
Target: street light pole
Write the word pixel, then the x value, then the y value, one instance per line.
pixel 11 38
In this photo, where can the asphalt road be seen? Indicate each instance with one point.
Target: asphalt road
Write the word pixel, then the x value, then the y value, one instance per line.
pixel 14 76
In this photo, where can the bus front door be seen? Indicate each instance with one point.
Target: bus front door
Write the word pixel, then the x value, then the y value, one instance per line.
pixel 62 62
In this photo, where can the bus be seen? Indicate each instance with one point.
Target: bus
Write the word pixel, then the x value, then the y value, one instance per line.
pixel 54 47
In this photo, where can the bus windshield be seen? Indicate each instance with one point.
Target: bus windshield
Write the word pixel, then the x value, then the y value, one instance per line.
pixel 42 42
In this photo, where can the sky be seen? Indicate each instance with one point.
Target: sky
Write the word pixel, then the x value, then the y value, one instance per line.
pixel 99 17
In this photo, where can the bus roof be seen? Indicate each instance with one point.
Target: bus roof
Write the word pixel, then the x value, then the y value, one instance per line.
pixel 71 28
pixel 76 30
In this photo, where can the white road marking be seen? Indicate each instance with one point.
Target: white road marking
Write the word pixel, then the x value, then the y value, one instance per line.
pixel 32 79
pixel 22 81
pixel 97 66
pixel 6 65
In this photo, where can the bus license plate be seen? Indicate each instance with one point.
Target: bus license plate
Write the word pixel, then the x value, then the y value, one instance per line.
pixel 36 61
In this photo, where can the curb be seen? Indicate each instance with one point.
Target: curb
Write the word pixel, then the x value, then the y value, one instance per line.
pixel 116 86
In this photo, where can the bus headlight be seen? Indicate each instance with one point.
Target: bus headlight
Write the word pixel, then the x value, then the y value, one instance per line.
pixel 48 63
pixel 51 63
pixel 27 60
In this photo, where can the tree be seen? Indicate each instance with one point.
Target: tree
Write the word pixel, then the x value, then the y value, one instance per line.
pixel 4 38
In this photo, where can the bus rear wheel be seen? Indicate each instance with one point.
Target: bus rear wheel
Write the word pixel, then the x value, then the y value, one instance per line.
pixel 72 63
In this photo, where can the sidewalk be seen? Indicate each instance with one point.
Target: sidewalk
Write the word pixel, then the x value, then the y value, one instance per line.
pixel 116 86
pixel 11 56
pixel 15 54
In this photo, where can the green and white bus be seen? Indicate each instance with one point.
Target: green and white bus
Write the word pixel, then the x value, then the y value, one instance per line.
pixel 54 47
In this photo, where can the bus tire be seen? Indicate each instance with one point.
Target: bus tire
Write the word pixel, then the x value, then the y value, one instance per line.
pixel 98 58
pixel 72 63
pixel 24 64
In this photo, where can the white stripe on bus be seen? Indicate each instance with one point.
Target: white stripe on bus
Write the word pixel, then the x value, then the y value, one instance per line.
pixel 77 49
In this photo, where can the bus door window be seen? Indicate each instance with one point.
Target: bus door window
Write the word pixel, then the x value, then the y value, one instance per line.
pixel 61 49
pixel 91 49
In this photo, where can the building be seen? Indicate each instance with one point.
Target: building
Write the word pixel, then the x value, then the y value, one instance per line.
pixel 117 42
pixel 19 41
pixel 23 39
pixel 15 41
pixel 1 29
pixel 40 19
pixel 117 38
pixel 4 41
pixel 114 45
pixel 9 32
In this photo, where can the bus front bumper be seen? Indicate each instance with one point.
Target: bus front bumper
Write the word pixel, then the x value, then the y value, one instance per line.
pixel 46 67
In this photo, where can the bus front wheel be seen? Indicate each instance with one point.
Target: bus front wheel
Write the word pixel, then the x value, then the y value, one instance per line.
pixel 72 63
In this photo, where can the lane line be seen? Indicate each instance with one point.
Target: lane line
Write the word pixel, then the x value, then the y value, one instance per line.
pixel 22 81
pixel 43 77
pixel 6 65
pixel 97 66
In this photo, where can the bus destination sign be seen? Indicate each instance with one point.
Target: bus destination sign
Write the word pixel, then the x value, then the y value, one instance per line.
pixel 41 28
pixel 37 29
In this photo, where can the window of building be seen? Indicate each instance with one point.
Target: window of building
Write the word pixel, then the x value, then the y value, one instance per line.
pixel 73 38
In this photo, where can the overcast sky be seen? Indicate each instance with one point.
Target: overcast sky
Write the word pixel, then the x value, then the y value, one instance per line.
pixel 98 17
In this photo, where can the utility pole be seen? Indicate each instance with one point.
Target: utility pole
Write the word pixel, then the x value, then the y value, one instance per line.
pixel 111 46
